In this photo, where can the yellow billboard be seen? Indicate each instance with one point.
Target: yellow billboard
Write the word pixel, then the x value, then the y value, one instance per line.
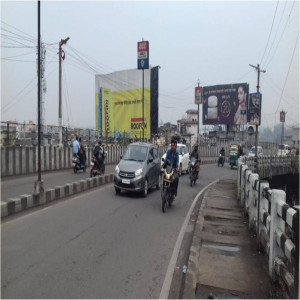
pixel 119 106
pixel 128 113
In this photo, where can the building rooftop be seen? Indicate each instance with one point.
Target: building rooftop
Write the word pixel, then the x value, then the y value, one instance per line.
pixel 192 111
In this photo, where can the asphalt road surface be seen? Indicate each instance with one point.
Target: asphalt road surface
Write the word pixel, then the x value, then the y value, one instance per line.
pixel 96 244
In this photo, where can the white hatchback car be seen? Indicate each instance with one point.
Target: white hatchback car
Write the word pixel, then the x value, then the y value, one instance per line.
pixel 184 158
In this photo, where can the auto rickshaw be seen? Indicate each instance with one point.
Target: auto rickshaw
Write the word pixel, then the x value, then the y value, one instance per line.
pixel 233 155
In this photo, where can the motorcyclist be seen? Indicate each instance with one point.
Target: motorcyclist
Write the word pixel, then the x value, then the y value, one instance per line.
pixel 195 154
pixel 98 153
pixel 81 153
pixel 240 151
pixel 173 157
pixel 222 152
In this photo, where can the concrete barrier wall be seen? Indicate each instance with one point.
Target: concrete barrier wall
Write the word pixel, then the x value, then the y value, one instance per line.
pixel 276 225
pixel 24 160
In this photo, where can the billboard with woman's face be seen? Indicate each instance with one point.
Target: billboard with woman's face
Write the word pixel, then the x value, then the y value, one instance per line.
pixel 225 104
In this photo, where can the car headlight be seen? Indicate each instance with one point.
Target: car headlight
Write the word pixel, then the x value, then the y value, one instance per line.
pixel 138 172
pixel 117 170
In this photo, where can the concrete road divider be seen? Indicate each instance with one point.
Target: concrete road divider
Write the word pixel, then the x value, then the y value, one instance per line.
pixel 23 202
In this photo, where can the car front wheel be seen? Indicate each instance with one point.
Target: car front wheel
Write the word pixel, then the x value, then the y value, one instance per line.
pixel 145 191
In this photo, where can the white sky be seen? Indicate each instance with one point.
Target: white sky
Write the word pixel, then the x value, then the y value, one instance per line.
pixel 212 41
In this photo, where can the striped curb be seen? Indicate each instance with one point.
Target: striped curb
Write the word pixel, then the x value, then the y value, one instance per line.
pixel 23 202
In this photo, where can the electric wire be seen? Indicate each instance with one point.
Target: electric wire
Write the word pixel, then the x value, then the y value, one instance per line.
pixel 285 26
pixel 270 32
pixel 23 96
pixel 288 71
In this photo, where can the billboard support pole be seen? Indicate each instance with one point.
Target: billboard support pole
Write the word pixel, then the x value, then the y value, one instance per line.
pixel 256 126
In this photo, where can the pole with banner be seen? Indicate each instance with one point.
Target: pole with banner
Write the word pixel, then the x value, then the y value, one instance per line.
pixel 256 126
pixel 143 63
pixel 282 120
pixel 198 100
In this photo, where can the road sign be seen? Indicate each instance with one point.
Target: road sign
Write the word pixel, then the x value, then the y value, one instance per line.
pixel 143 55
pixel 198 95
pixel 282 116
pixel 250 130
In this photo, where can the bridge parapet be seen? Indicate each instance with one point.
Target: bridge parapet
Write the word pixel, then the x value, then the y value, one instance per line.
pixel 274 221
pixel 272 165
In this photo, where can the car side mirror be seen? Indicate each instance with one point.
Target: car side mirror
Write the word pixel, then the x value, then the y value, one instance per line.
pixel 150 160
pixel 163 159
pixel 121 156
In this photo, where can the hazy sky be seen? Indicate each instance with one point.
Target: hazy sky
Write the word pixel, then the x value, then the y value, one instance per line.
pixel 212 41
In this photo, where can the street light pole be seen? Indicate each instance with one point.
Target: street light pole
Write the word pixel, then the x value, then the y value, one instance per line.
pixel 256 126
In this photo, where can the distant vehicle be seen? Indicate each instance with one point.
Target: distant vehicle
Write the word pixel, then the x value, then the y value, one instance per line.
pixel 233 155
pixel 184 158
pixel 284 150
pixel 259 151
pixel 138 170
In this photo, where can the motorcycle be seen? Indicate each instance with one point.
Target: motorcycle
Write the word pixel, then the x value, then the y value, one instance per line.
pixel 221 160
pixel 193 170
pixel 77 164
pixel 95 168
pixel 168 185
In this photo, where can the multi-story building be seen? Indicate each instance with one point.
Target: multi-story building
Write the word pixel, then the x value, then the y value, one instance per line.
pixel 188 127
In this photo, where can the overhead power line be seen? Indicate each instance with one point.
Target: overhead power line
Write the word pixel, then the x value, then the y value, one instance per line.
pixel 270 33
pixel 282 33
pixel 275 35
pixel 288 71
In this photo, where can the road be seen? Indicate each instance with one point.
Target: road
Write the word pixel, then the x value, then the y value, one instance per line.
pixel 14 186
pixel 97 244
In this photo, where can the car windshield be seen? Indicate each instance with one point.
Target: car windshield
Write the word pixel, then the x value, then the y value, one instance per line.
pixel 282 147
pixel 136 153
pixel 233 149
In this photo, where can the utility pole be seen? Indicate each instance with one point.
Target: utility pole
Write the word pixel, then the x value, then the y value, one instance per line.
pixel 256 126
pixel 198 120
pixel 38 185
pixel 282 120
pixel 61 56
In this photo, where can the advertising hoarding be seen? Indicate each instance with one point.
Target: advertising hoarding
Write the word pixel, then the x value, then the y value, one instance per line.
pixel 254 109
pixel 121 103
pixel 225 104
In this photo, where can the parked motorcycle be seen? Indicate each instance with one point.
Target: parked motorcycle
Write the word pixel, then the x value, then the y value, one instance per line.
pixel 193 170
pixel 221 160
pixel 168 185
pixel 77 164
pixel 95 168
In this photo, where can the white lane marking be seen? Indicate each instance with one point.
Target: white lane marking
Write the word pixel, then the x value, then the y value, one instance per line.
pixel 169 275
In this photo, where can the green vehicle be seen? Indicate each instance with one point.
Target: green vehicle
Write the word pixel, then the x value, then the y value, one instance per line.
pixel 233 156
